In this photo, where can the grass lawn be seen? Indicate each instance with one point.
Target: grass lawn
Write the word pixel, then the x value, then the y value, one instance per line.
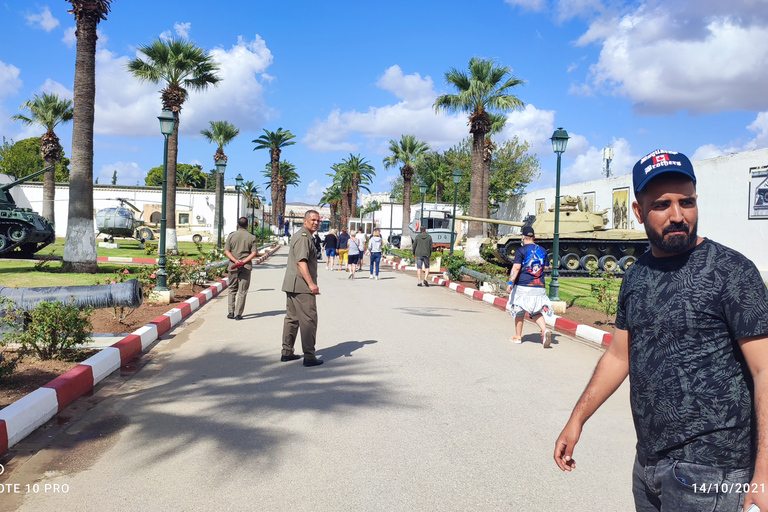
pixel 575 291
pixel 128 249
pixel 15 274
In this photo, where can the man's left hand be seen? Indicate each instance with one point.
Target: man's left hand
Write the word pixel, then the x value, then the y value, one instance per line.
pixel 757 492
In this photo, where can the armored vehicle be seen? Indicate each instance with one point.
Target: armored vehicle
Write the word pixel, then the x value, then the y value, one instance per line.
pixel 22 227
pixel 584 242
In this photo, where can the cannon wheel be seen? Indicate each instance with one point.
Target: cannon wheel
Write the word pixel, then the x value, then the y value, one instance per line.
pixel 146 234
pixel 571 261
pixel 396 241
pixel 17 233
pixel 608 263
pixel 589 262
pixel 197 238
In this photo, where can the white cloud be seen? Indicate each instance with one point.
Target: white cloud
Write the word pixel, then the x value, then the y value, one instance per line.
pixel 759 126
pixel 125 106
pixel 413 115
pixel 128 173
pixel 10 83
pixel 166 35
pixel 182 29
pixel 314 192
pixel 681 56
pixel 69 39
pixel 44 20
pixel 53 87
pixel 532 125
pixel 588 165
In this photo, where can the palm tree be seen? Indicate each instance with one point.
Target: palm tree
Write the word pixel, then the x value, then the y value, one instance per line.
pixel 332 198
pixel 486 87
pixel 361 174
pixel 181 66
pixel 252 194
pixel 274 142
pixel 407 153
pixel 286 175
pixel 48 111
pixel 186 178
pixel 80 246
pixel 342 178
pixel 436 173
pixel 221 133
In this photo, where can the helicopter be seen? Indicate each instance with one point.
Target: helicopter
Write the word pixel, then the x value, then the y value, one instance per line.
pixel 121 222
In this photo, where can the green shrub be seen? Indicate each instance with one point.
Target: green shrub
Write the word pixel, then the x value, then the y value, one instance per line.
pixel 52 329
pixel 150 248
pixel 603 289
pixel 10 321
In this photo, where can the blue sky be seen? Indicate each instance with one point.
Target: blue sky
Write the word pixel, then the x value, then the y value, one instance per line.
pixel 348 76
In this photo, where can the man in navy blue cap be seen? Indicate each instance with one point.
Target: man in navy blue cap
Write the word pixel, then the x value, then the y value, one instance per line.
pixel 692 334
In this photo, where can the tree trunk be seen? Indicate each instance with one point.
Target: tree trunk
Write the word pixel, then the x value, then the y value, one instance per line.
pixel 171 244
pixel 439 192
pixel 476 185
pixel 353 198
pixel 274 158
pixel 217 210
pixel 486 192
pixel 80 244
pixel 49 190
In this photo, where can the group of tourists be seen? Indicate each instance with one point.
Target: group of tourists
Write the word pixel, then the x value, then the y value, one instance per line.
pixel 351 251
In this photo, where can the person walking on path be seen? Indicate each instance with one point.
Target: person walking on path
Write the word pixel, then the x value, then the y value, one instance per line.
pixel 422 250
pixel 240 248
pixel 361 239
pixel 692 334
pixel 343 248
pixel 330 243
pixel 354 255
pixel 526 289
pixel 374 249
pixel 301 290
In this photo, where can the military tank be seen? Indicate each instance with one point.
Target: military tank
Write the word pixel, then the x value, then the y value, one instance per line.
pixel 585 244
pixel 22 227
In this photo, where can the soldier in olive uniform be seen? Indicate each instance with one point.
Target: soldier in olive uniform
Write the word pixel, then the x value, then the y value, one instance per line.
pixel 240 247
pixel 300 287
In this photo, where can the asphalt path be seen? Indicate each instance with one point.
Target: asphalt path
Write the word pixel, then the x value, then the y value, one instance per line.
pixel 422 404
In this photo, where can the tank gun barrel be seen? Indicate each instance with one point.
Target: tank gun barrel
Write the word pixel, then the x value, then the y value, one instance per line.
pixel 491 221
pixel 28 177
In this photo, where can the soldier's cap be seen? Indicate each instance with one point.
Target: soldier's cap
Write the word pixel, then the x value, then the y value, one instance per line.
pixel 660 162
pixel 528 231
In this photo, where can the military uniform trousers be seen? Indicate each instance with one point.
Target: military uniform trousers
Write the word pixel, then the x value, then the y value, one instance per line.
pixel 300 313
pixel 239 282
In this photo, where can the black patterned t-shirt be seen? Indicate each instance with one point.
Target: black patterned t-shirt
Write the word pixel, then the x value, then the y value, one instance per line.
pixel 690 389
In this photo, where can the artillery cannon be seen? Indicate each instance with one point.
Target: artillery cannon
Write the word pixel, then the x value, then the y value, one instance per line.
pixel 127 294
pixel 22 227
pixel 585 244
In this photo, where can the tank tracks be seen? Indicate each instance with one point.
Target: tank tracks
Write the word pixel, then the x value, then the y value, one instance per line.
pixel 583 247
pixel 15 234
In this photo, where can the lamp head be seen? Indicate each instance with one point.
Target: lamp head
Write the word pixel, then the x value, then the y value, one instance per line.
pixel 422 187
pixel 457 176
pixel 559 140
pixel 221 166
pixel 167 120
pixel 239 181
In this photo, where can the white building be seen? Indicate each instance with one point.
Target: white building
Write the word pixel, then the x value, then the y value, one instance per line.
pixel 729 211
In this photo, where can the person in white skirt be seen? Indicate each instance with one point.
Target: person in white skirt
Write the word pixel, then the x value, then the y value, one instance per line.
pixel 527 293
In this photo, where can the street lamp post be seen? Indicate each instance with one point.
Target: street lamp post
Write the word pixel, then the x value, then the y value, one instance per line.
pixel 423 190
pixel 221 166
pixel 391 209
pixel 238 187
pixel 559 143
pixel 167 121
pixel 456 181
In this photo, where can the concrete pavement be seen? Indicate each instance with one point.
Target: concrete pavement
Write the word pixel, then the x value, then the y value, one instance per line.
pixel 423 404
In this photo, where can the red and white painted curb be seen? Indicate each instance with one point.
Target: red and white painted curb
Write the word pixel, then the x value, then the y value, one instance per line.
pixel 26 414
pixel 559 323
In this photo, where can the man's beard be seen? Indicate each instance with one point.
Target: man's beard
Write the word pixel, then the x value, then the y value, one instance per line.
pixel 676 244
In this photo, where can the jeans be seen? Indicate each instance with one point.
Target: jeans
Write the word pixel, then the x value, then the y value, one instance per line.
pixel 375 258
pixel 671 485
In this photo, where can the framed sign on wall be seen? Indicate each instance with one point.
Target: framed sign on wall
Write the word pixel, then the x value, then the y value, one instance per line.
pixel 758 192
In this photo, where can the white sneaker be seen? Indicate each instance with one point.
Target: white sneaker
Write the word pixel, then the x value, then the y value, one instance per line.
pixel 371 276
pixel 546 338
pixel 377 278
pixel 516 339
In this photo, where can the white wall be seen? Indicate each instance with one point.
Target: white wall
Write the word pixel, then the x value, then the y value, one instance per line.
pixel 202 203
pixel 723 189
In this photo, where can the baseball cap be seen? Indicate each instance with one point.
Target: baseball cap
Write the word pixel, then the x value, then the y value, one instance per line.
pixel 660 162
pixel 528 231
